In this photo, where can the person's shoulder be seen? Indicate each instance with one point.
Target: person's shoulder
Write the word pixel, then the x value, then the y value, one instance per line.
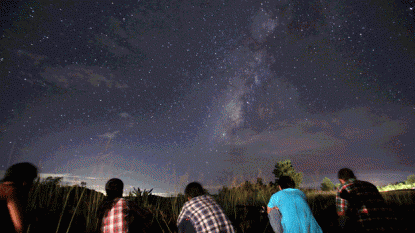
pixel 359 184
pixel 190 202
pixel 118 203
pixel 202 197
pixel 207 196
pixel 7 189
pixel 276 193
pixel 199 199
pixel 348 184
pixel 369 187
pixel 289 190
pixel 293 191
pixel 279 193
pixel 124 202
pixel 298 191
pixel 366 183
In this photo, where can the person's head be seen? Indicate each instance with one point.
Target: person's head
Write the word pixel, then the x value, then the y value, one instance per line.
pixel 345 174
pixel 193 189
pixel 114 188
pixel 21 174
pixel 286 182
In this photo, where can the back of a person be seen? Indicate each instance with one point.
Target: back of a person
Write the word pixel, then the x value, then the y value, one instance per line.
pixel 368 208
pixel 114 219
pixel 208 216
pixel 14 191
pixel 296 214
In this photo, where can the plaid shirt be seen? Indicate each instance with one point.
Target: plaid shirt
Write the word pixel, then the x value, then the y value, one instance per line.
pixel 114 220
pixel 364 205
pixel 205 215
pixel 342 204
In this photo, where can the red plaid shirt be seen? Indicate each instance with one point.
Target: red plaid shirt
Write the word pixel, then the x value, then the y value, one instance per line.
pixel 342 204
pixel 365 207
pixel 114 220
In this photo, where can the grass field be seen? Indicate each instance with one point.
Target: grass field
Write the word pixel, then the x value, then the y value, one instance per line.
pixel 56 208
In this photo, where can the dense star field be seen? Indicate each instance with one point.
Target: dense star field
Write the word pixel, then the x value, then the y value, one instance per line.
pixel 162 93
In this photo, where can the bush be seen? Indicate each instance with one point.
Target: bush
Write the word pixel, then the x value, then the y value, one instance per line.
pixel 327 185
pixel 410 179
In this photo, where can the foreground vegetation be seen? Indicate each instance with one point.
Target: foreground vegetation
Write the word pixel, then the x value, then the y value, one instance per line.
pixel 53 207
pixel 393 187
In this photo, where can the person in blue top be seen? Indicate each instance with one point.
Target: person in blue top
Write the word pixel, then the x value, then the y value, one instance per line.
pixel 288 209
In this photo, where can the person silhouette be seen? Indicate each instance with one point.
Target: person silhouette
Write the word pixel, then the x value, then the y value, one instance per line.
pixel 201 213
pixel 361 207
pixel 14 191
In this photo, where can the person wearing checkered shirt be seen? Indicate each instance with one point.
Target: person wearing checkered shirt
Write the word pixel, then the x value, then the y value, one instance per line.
pixel 201 213
pixel 115 219
pixel 361 207
pixel 114 209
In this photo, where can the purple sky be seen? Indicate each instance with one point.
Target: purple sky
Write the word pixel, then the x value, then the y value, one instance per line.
pixel 162 93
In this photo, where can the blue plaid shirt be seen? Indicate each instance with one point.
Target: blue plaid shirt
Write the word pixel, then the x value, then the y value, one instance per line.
pixel 205 215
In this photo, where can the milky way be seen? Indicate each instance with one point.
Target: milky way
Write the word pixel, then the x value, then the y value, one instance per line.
pixel 161 93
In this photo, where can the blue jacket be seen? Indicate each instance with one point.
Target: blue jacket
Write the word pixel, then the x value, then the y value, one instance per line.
pixel 296 214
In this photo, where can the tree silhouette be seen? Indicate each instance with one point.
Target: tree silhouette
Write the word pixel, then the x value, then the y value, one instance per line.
pixel 410 179
pixel 285 168
pixel 327 185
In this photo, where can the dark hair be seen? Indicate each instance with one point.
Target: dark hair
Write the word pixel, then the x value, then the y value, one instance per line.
pixel 345 174
pixel 114 188
pixel 286 182
pixel 194 189
pixel 21 172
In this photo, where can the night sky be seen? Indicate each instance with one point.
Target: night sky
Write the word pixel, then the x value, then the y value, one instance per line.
pixel 162 93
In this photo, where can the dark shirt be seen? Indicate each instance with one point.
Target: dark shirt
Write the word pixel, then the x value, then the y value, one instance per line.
pixel 364 206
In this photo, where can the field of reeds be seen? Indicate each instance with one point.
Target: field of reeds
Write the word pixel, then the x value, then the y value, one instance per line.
pixel 53 207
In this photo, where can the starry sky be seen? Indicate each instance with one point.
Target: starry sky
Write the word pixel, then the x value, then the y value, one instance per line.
pixel 162 93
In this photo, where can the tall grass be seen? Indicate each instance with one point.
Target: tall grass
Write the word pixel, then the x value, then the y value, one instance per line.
pixel 62 207
pixel 58 208
pixel 244 205
pixel 399 197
